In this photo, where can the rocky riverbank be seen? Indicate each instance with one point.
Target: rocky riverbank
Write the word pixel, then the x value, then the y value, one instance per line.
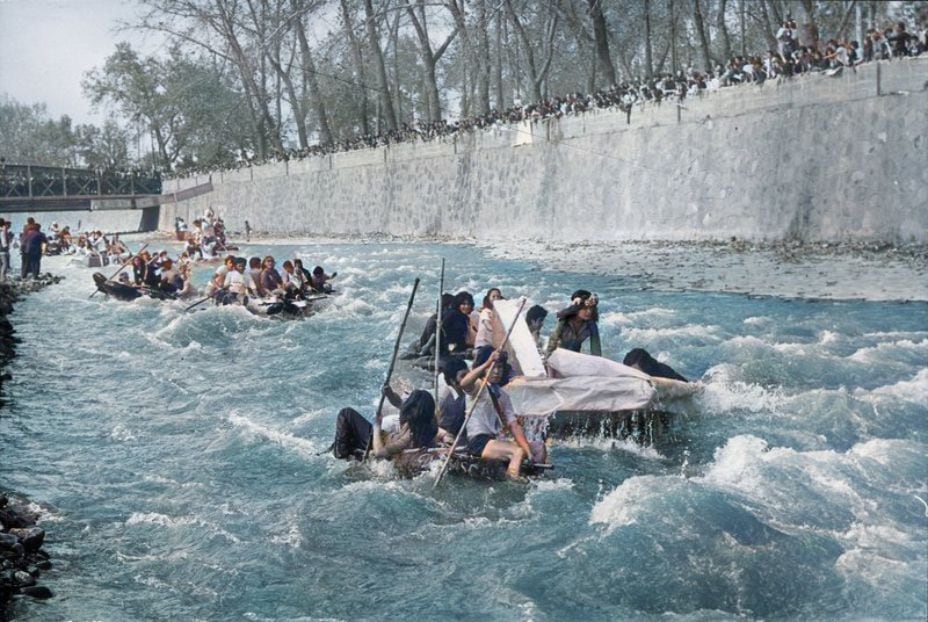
pixel 788 269
pixel 22 559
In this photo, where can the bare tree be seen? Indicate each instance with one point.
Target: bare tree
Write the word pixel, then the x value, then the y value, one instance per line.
pixel 429 56
pixel 374 42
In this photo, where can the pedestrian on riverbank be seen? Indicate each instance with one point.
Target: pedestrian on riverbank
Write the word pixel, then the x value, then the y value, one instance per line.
pixel 6 240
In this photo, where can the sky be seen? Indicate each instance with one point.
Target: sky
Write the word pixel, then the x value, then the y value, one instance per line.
pixel 46 46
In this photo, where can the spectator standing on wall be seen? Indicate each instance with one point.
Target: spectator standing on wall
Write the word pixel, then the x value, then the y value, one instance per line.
pixel 6 240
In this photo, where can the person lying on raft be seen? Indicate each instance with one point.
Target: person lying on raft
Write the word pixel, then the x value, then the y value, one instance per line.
pixel 486 421
pixel 576 324
pixel 640 359
pixel 418 429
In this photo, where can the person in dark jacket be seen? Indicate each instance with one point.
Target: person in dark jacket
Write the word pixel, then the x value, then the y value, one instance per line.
pixel 455 326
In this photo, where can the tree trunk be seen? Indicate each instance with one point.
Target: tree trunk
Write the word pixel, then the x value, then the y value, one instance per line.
pixel 359 66
pixel 723 30
pixel 701 32
pixel 648 61
pixel 498 74
pixel 601 37
pixel 374 42
pixel 674 61
pixel 310 79
pixel 429 58
pixel 483 59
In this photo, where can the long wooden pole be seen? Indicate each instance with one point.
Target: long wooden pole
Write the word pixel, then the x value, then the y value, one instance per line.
pixel 441 289
pixel 396 349
pixel 483 385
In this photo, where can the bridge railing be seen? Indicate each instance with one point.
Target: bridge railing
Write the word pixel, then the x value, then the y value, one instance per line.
pixel 25 181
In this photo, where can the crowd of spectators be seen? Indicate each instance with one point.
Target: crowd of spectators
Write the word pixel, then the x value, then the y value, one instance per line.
pixel 790 58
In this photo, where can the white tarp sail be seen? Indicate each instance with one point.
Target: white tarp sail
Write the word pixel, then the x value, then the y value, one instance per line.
pixel 581 382
pixel 521 341
pixel 575 381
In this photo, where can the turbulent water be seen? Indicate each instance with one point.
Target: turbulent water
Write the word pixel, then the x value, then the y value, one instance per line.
pixel 176 458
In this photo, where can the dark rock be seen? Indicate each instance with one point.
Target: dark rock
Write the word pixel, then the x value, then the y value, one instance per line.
pixel 43 564
pixel 37 591
pixel 31 538
pixel 7 541
pixel 21 578
pixel 12 520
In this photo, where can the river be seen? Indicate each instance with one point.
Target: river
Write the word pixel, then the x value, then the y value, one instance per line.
pixel 179 462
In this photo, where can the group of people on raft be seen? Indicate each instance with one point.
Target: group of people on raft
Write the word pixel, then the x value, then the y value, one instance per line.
pixel 234 281
pixel 494 430
pixel 238 279
pixel 206 237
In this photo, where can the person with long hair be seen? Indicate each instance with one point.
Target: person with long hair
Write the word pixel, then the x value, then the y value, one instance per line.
pixel 417 428
pixel 576 324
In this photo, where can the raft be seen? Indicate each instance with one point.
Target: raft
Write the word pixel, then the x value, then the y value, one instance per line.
pixel 414 462
pixel 128 293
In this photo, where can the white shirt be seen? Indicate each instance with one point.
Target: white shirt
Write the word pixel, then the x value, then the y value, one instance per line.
pixel 485 419
pixel 236 282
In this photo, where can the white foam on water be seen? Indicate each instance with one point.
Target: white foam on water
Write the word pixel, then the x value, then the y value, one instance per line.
pixel 691 331
pixel 914 390
pixel 293 538
pixel 548 485
pixel 757 320
pixel 883 351
pixel 161 520
pixel 173 522
pixel 605 444
pixel 724 392
pixel 827 337
pixel 618 318
pixel 625 505
pixel 122 434
pixel 304 447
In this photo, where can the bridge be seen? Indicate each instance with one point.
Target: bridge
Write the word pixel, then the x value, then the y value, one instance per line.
pixel 54 191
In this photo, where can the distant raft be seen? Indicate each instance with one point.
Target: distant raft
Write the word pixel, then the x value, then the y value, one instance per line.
pixel 128 293
pixel 282 308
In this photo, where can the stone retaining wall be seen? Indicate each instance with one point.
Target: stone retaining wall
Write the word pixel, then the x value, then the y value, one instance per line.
pixel 813 158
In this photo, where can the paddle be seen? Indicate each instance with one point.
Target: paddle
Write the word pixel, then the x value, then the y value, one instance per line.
pixel 121 268
pixel 441 288
pixel 396 349
pixel 483 385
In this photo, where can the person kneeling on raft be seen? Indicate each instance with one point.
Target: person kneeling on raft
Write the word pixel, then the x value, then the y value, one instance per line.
pixel 488 417
pixel 418 429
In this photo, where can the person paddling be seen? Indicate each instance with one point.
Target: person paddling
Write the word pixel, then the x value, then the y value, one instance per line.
pixel 490 414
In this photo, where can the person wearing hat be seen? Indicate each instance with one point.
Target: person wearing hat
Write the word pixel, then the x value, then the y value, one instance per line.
pixel 576 324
